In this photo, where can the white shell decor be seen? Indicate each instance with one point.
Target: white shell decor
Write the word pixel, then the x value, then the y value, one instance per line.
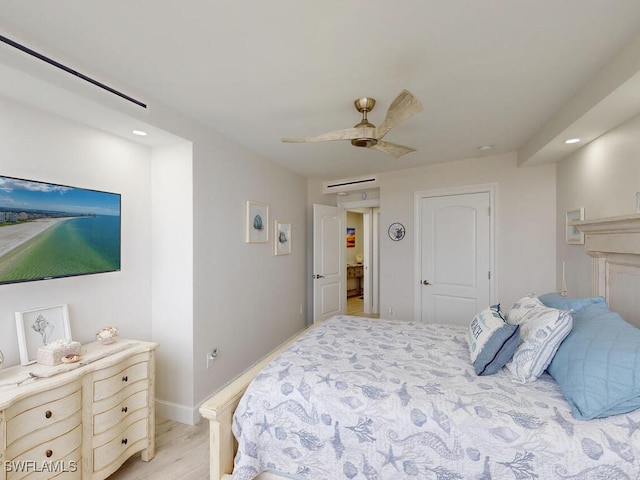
pixel 70 358
pixel 107 335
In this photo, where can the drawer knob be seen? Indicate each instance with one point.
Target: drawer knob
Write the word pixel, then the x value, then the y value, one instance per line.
pixel 47 414
pixel 48 453
pixel 124 441
pixel 124 409
pixel 125 378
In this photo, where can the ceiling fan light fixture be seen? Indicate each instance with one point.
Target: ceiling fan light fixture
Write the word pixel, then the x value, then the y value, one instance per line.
pixel 364 142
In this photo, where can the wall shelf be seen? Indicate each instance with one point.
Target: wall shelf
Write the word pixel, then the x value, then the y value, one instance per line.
pixel 619 234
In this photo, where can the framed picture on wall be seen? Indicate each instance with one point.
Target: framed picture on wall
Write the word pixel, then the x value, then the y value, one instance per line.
pixel 39 327
pixel 282 235
pixel 351 237
pixel 257 222
pixel 573 235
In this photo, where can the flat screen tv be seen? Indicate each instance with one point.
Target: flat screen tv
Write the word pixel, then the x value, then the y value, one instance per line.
pixel 52 231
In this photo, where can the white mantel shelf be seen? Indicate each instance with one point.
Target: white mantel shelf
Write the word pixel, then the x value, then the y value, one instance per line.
pixel 610 225
pixel 611 235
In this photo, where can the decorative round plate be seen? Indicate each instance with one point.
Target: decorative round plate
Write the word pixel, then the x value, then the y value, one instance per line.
pixel 396 231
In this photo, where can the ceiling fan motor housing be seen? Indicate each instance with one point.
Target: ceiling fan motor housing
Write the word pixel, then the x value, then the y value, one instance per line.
pixel 364 105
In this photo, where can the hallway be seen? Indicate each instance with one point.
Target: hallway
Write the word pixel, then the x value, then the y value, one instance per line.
pixel 355 306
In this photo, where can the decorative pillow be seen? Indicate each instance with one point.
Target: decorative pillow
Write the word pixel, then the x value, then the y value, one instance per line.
pixel 542 329
pixel 521 308
pixel 598 365
pixel 491 341
pixel 555 300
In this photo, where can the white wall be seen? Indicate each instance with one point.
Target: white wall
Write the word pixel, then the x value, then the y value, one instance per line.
pixel 172 278
pixel 246 300
pixel 525 226
pixel 189 288
pixel 603 177
pixel 39 146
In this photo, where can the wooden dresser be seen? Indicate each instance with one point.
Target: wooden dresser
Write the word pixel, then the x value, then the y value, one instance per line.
pixel 81 420
pixel 356 272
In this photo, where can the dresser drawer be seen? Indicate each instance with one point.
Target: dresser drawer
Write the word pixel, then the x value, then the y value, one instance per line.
pixel 121 446
pixel 62 453
pixel 33 439
pixel 120 378
pixel 355 272
pixel 125 408
pixel 40 411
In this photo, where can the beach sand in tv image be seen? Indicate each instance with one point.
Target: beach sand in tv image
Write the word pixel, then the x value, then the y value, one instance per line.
pixel 49 231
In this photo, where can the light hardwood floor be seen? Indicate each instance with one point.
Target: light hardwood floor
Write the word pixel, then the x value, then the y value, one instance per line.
pixel 182 452
pixel 355 306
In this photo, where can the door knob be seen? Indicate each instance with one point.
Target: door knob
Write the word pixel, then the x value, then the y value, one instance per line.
pixel 318 276
pixel 425 282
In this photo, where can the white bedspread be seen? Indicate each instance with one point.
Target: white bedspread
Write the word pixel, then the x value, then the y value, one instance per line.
pixel 359 398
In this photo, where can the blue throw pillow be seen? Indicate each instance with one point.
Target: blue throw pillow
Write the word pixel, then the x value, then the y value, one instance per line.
pixel 555 300
pixel 491 341
pixel 597 365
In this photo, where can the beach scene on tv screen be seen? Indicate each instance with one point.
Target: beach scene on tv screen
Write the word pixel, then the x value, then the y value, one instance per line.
pixel 49 230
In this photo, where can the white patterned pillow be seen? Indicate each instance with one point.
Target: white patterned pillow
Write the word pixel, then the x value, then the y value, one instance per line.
pixel 542 330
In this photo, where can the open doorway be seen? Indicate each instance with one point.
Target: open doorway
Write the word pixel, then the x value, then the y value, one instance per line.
pixel 361 258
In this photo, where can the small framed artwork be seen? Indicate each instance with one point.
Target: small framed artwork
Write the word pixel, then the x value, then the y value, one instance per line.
pixel 351 237
pixel 257 226
pixel 40 327
pixel 282 233
pixel 574 236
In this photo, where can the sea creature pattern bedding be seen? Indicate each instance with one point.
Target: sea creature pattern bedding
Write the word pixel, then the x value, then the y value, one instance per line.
pixel 357 398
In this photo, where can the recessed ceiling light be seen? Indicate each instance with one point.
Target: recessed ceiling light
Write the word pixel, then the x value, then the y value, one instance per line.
pixel 484 148
pixel 572 140
pixel 140 133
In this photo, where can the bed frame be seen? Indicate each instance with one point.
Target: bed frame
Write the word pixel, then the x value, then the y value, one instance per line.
pixel 219 411
pixel 614 245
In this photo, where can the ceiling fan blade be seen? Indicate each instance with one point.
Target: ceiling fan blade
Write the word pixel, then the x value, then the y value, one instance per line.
pixel 392 148
pixel 405 105
pixel 346 134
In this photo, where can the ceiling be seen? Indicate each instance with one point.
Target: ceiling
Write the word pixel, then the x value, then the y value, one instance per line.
pixel 491 72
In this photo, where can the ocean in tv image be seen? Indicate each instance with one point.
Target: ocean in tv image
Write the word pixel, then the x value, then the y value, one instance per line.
pixel 50 231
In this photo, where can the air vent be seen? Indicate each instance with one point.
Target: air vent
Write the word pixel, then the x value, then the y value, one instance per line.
pixel 70 70
pixel 350 184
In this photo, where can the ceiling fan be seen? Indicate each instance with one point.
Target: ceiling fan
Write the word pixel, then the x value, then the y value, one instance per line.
pixel 367 135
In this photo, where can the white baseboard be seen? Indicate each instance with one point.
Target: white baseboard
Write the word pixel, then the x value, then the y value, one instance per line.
pixel 178 413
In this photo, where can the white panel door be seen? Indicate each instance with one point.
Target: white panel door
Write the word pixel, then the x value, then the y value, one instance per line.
pixel 455 257
pixel 329 268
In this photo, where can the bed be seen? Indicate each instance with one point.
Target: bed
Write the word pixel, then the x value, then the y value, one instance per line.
pixel 376 399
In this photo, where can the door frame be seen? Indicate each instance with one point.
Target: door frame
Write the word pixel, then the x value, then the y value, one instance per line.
pixel 492 189
pixel 370 209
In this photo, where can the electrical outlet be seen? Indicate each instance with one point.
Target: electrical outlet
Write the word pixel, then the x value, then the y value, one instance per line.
pixel 211 356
